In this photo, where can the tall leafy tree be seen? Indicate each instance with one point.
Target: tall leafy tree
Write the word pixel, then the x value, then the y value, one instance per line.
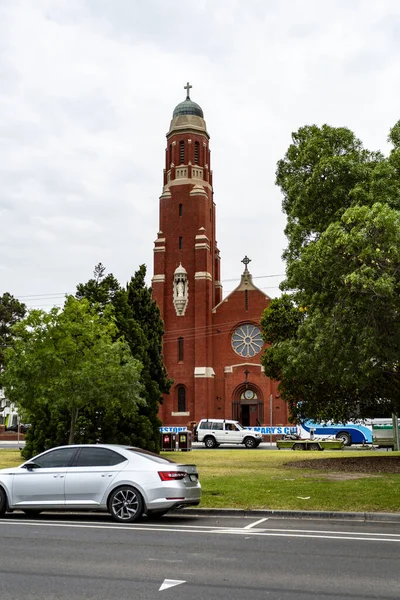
pixel 138 321
pixel 335 339
pixel 65 362
pixel 154 375
pixel 11 311
pixel 323 170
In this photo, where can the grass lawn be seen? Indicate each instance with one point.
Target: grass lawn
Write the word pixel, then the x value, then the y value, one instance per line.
pixel 262 479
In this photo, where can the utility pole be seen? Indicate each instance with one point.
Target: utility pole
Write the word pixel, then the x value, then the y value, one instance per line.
pixel 270 419
pixel 396 441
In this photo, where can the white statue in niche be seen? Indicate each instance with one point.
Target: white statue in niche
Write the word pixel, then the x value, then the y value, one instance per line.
pixel 180 290
pixel 180 286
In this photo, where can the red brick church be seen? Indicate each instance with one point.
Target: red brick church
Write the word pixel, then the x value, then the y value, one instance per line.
pixel 212 345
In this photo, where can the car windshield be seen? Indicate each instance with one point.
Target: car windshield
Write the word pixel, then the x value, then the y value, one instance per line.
pixel 151 455
pixel 239 426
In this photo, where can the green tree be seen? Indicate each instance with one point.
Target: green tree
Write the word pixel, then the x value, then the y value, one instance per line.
pixel 63 362
pixel 138 321
pixel 11 311
pixel 339 358
pixel 323 171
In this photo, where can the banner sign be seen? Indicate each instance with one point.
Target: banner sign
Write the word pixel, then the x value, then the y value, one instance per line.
pixel 262 430
pixel 172 429
pixel 273 430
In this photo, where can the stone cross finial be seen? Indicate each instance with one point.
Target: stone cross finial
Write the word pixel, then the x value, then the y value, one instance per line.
pixel 246 261
pixel 187 87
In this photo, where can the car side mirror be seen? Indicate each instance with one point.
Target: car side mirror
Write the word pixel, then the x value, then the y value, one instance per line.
pixel 30 466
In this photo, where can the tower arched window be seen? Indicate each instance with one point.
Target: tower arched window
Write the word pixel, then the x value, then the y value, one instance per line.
pixel 196 153
pixel 170 153
pixel 181 399
pixel 180 349
pixel 182 152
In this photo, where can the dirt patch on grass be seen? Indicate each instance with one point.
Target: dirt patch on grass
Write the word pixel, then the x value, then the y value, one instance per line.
pixel 340 476
pixel 363 465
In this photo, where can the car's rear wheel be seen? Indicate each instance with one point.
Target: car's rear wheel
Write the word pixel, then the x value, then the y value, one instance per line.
pixel 126 505
pixel 250 442
pixel 210 442
pixel 32 512
pixel 3 502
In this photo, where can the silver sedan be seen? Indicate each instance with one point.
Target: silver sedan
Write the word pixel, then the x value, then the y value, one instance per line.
pixel 126 482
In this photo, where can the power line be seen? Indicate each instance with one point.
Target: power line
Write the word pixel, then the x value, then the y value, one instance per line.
pixel 49 295
pixel 257 277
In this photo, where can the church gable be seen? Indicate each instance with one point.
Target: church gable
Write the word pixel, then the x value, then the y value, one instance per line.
pixel 246 297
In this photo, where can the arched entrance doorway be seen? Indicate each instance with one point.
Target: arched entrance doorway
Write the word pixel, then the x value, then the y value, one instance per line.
pixel 248 405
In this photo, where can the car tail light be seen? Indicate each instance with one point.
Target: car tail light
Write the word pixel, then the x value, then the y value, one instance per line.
pixel 171 475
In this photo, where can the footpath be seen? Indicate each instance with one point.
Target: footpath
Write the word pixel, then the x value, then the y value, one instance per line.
pixel 291 514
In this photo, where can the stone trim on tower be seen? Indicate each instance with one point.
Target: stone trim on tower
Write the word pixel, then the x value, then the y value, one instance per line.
pixel 204 372
pixel 158 279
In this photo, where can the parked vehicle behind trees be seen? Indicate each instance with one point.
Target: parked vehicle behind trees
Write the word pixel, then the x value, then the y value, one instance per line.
pixel 351 432
pixel 213 432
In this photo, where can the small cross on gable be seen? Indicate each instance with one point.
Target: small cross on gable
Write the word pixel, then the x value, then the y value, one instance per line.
pixel 246 261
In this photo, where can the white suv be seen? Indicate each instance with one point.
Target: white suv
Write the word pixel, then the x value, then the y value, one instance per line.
pixel 213 432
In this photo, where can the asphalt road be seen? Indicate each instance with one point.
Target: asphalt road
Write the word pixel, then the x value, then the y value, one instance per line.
pixel 88 557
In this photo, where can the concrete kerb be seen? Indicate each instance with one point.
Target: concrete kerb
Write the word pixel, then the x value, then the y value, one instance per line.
pixel 291 514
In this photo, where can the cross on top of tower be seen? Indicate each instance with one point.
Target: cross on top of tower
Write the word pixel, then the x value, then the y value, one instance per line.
pixel 246 261
pixel 187 87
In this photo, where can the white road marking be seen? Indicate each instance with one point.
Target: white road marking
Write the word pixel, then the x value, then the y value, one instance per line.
pixel 168 583
pixel 328 535
pixel 256 523
pixel 166 560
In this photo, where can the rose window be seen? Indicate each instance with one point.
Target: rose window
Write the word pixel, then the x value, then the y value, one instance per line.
pixel 247 340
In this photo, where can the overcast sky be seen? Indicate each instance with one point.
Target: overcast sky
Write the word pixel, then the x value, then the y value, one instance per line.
pixel 87 90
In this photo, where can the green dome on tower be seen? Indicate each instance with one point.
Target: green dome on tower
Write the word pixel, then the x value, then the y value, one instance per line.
pixel 188 107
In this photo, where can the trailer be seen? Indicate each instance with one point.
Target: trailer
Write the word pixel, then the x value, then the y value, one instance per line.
pixel 313 445
pixel 384 434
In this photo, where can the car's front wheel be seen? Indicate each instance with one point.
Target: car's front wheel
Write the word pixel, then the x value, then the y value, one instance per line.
pixel 250 442
pixel 3 502
pixel 126 505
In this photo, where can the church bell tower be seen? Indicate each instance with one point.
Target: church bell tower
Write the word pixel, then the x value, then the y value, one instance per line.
pixel 186 282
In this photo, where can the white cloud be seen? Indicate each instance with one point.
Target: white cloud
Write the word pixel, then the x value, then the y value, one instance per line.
pixel 87 94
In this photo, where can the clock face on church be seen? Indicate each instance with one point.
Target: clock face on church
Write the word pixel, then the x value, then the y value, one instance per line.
pixel 247 340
